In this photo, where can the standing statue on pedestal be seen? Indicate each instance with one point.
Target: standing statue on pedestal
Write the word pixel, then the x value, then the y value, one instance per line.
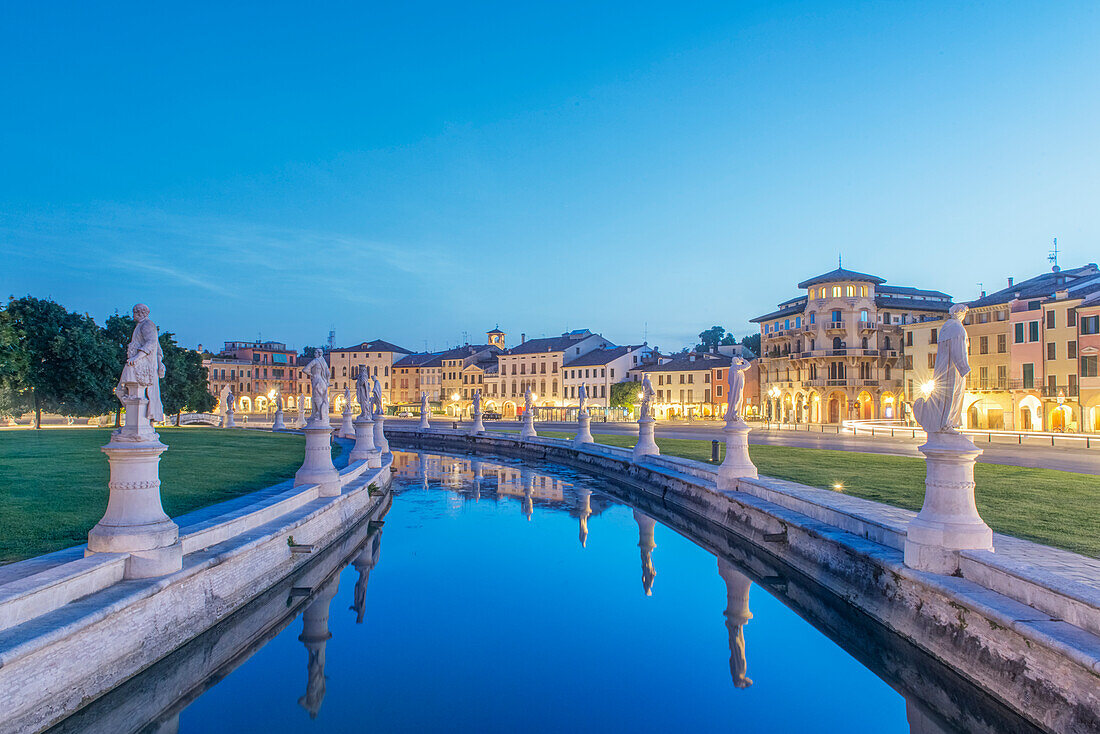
pixel 377 401
pixel 736 396
pixel 278 424
pixel 528 403
pixel 301 410
pixel 319 374
pixel 582 398
pixel 477 402
pixel 948 521
pixel 144 365
pixel 227 402
pixel 363 393
pixel 941 411
pixel 647 396
pixel 347 401
pixel 279 402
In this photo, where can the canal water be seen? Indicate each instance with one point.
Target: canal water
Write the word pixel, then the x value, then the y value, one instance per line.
pixel 502 597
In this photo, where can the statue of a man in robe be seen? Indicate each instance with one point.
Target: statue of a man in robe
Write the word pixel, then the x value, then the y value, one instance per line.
pixel 424 403
pixel 228 405
pixel 319 374
pixel 647 395
pixel 377 396
pixel 941 410
pixel 144 364
pixel 736 396
pixel 477 402
pixel 582 398
pixel 363 392
pixel 528 402
pixel 279 401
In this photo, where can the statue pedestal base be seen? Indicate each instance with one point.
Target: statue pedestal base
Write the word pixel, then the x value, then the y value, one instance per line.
pixel 528 430
pixel 478 426
pixel 424 424
pixel 278 425
pixel 948 521
pixel 380 441
pixel 318 467
pixel 347 430
pixel 646 445
pixel 135 521
pixel 228 422
pixel 737 464
pixel 584 434
pixel 364 441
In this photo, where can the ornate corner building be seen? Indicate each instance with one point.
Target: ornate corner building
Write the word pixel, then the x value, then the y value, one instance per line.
pixel 836 352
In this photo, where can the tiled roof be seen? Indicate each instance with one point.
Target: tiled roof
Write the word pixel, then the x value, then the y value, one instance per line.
pixel 903 290
pixel 685 363
pixel 467 350
pixel 600 356
pixel 554 343
pixel 378 345
pixel 415 360
pixel 1041 286
pixel 917 303
pixel 841 274
pixel 796 306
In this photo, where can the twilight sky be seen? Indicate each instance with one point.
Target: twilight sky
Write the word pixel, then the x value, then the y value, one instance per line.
pixel 414 170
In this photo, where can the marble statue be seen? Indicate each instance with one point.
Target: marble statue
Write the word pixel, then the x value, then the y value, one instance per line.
pixel 319 374
pixel 301 409
pixel 144 364
pixel 363 392
pixel 647 395
pixel 941 410
pixel 736 396
pixel 279 402
pixel 528 402
pixel 582 397
pixel 347 400
pixel 376 401
pixel 477 402
pixel 228 404
pixel 424 409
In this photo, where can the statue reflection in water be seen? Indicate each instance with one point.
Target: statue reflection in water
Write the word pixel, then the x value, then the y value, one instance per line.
pixel 737 614
pixel 584 511
pixel 315 637
pixel 528 479
pixel 646 525
pixel 364 563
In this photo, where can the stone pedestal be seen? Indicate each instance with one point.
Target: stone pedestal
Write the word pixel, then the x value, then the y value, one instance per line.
pixel 318 467
pixel 948 521
pixel 278 425
pixel 737 464
pixel 347 430
pixel 528 430
pixel 228 422
pixel 380 441
pixel 478 426
pixel 646 445
pixel 364 443
pixel 584 435
pixel 135 521
pixel 425 424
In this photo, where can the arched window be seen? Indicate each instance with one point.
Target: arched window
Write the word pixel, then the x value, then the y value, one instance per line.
pixel 864 342
pixel 837 343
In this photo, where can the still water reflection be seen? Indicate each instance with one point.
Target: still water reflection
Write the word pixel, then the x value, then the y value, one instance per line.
pixel 487 614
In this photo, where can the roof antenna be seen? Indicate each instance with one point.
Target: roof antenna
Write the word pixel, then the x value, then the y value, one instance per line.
pixel 1053 256
pixel 839 264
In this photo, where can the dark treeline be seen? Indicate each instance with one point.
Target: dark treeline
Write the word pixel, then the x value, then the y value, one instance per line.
pixel 56 361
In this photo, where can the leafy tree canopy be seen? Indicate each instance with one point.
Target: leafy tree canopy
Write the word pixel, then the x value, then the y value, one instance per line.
pixel 623 395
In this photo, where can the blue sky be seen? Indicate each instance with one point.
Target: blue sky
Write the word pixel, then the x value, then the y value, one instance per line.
pixel 413 171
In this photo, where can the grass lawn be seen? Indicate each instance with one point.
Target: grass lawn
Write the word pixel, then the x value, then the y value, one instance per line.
pixel 1056 508
pixel 53 482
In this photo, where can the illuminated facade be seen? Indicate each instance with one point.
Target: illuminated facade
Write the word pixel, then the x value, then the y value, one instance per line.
pixel 835 352
pixel 537 363
pixel 377 357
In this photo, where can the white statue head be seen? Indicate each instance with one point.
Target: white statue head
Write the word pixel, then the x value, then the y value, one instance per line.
pixel 317 352
pixel 958 311
pixel 141 312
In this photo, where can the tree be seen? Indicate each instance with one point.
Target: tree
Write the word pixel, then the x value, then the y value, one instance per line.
pixel 712 338
pixel 118 330
pixel 184 385
pixel 623 395
pixel 53 360
pixel 752 343
pixel 306 355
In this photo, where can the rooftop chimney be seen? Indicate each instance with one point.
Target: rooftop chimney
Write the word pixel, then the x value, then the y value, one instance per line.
pixel 523 338
pixel 983 293
pixel 1010 281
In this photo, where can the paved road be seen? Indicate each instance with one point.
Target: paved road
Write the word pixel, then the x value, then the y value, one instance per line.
pixel 1081 460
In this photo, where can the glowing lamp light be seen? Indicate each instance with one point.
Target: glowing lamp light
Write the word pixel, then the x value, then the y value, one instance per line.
pixel 454 397
pixel 838 487
pixel 926 388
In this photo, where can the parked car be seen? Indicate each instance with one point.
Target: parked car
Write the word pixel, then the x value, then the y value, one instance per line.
pixel 492 416
pixel 405 414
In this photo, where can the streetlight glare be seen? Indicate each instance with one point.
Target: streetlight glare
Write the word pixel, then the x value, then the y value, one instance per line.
pixel 926 388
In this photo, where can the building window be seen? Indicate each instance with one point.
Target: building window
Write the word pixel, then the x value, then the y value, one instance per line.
pixel 983 345
pixel 933 337
pixel 1033 331
pixel 836 291
pixel 1071 317
pixel 1088 366
pixel 1029 375
pixel 863 291
pixel 1020 333
pixel 1071 350
pixel 1050 319
pixel 1090 325
pixel 851 290
pixel 1051 350
pixel 1002 343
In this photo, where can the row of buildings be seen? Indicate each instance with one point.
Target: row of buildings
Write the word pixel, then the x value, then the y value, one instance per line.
pixel 554 368
pixel 850 346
